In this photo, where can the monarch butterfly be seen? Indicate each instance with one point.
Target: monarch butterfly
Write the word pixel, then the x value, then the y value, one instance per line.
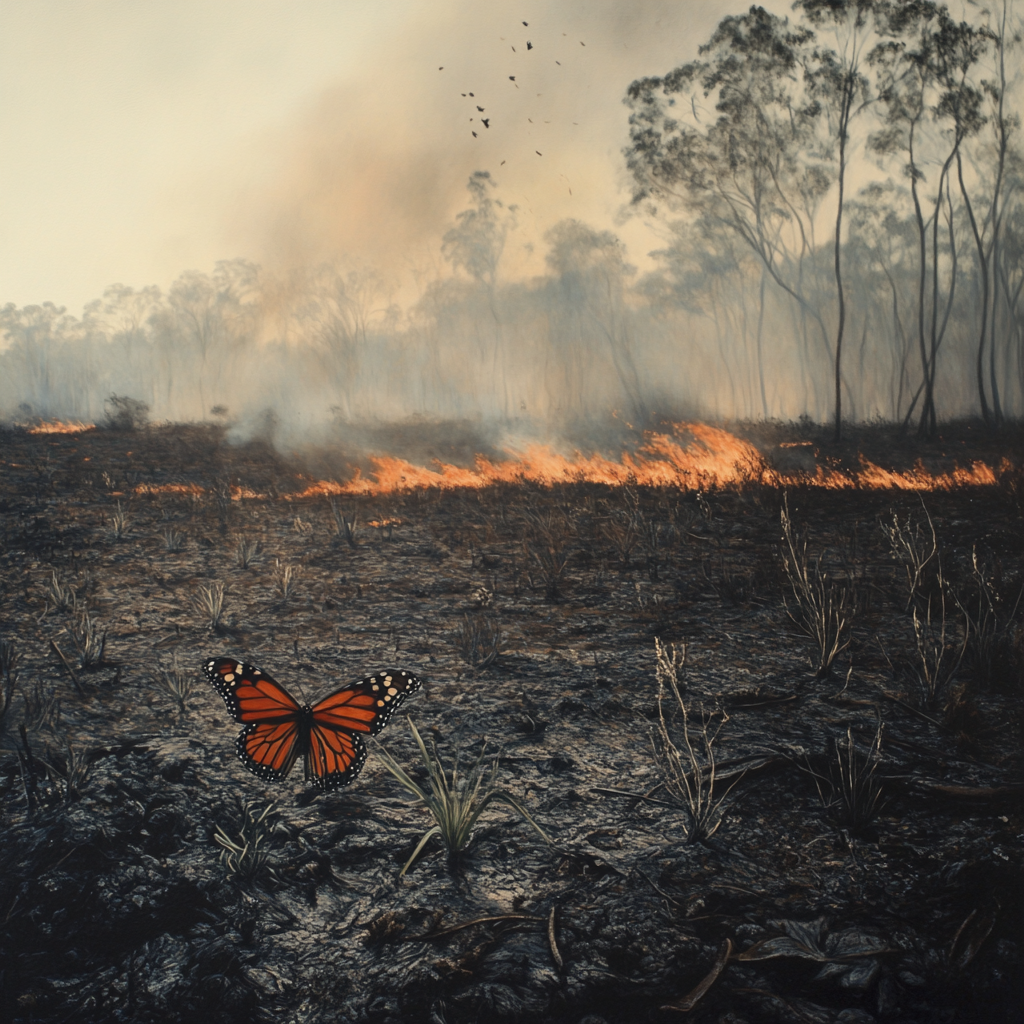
pixel 278 730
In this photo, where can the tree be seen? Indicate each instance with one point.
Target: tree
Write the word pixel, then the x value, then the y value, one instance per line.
pixel 836 80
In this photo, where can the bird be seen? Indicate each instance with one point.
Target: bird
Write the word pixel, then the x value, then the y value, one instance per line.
pixel 481 109
pixel 486 122
pixel 538 152
pixel 511 78
pixel 529 45
pixel 475 135
pixel 526 23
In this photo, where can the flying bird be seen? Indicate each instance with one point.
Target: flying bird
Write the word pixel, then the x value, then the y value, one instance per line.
pixel 481 109
pixel 486 122
pixel 513 49
pixel 529 45
pixel 441 68
pixel 474 135
pixel 511 78
pixel 538 152
pixel 502 164
pixel 526 23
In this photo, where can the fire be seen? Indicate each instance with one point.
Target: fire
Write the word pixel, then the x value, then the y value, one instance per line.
pixel 57 427
pixel 694 456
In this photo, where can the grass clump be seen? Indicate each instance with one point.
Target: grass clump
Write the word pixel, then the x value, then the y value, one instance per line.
pixel 246 551
pixel 455 800
pixel 177 682
pixel 479 640
pixel 89 642
pixel 245 849
pixel 60 596
pixel 849 788
pixel 208 602
pixel 119 522
pixel 174 540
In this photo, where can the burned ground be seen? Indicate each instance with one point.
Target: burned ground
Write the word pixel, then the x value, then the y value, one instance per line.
pixel 532 615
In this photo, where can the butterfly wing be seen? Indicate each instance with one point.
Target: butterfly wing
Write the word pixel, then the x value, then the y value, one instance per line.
pixel 336 751
pixel 273 737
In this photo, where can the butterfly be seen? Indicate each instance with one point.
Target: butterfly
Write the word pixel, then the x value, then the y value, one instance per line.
pixel 278 730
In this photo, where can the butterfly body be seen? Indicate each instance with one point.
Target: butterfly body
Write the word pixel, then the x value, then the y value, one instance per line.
pixel 326 735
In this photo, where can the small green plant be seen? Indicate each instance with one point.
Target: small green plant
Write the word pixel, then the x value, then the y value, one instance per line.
pixel 90 644
pixel 177 681
pixel 174 540
pixel 822 609
pixel 455 800
pixel 119 522
pixel 246 551
pixel 208 603
pixel 479 640
pixel 245 849
pixel 687 761
pixel 849 789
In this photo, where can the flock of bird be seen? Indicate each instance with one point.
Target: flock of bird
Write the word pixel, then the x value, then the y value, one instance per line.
pixel 486 121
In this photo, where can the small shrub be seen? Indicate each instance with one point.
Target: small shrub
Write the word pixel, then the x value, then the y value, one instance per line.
pixel 119 522
pixel 177 682
pixel 123 413
pixel 822 609
pixel 849 789
pixel 285 579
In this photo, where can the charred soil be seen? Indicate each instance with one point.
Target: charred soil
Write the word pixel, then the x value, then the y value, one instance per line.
pixel 821 820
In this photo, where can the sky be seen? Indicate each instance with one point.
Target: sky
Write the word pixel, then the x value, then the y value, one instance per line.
pixel 140 140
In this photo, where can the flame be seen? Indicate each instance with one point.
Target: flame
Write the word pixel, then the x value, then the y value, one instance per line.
pixel 694 456
pixel 57 427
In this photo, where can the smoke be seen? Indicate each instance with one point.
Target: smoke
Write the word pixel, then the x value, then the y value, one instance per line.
pixel 402 273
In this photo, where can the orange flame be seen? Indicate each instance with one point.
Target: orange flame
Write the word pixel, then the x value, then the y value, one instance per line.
pixel 711 457
pixel 57 427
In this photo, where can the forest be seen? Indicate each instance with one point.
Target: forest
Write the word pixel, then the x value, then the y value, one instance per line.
pixel 840 201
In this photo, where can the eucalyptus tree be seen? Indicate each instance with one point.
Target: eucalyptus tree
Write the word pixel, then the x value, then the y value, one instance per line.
pixel 476 245
pixel 930 108
pixel 751 166
pixel 590 272
pixel 835 78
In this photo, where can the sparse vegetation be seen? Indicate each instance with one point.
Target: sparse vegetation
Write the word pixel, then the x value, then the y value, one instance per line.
pixel 246 551
pixel 124 413
pixel 246 843
pixel 479 640
pixel 849 787
pixel 89 642
pixel 686 753
pixel 177 681
pixel 455 800
pixel 120 520
pixel 821 607
pixel 209 603
pixel 174 540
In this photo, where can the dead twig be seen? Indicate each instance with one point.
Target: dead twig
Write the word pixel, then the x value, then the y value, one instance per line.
pixel 555 954
pixel 469 924
pixel 67 665
pixel 695 996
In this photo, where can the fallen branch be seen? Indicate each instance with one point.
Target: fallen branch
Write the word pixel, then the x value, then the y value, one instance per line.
pixel 694 997
pixel 555 955
pixel 67 665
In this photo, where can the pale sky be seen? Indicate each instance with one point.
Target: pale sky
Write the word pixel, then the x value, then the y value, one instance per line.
pixel 141 139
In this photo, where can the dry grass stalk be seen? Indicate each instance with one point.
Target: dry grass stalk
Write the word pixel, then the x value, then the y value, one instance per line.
pixel 687 766
pixel 479 640
pixel 244 852
pixel 850 790
pixel 60 596
pixel 177 681
pixel 915 547
pixel 119 522
pixel 822 608
pixel 345 524
pixel 174 540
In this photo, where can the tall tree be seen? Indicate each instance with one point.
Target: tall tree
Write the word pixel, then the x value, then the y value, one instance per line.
pixel 835 78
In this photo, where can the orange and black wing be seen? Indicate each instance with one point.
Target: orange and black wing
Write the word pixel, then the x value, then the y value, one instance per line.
pixel 276 728
pixel 336 751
